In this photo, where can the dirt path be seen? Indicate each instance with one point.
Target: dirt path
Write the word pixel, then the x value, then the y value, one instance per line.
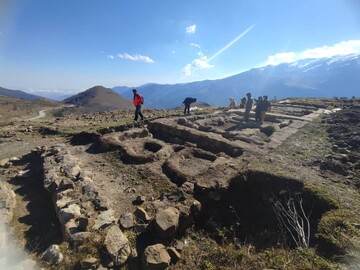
pixel 41 115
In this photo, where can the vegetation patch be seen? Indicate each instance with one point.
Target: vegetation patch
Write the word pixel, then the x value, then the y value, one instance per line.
pixel 337 235
pixel 204 252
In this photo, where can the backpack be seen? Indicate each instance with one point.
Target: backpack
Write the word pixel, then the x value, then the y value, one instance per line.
pixel 142 99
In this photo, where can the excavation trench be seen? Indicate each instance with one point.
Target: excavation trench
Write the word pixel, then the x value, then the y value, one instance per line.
pixel 245 210
pixel 173 133
pixel 186 163
pixel 36 213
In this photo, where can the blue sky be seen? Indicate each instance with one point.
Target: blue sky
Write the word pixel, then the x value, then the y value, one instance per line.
pixel 72 45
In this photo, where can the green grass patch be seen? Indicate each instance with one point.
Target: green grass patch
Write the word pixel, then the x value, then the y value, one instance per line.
pixel 336 234
pixel 203 253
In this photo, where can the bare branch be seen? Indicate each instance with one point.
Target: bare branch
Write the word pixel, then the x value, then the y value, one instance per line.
pixel 291 217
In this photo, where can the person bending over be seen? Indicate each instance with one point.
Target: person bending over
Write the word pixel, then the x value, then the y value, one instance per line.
pixel 187 101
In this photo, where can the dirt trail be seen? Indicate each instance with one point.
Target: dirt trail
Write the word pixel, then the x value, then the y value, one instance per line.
pixel 41 115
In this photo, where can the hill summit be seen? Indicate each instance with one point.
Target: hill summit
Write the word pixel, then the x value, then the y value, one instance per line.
pixel 99 99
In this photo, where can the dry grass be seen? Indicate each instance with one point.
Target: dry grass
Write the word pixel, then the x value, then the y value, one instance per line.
pixel 205 253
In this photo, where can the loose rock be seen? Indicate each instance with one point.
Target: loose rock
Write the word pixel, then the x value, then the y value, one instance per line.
pixel 53 255
pixel 127 220
pixel 156 257
pixel 166 223
pixel 70 212
pixel 117 245
pixel 142 215
pixel 105 218
pixel 89 263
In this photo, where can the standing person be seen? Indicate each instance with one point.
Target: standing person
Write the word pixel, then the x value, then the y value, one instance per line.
pixel 232 103
pixel 138 101
pixel 265 107
pixel 187 101
pixel 242 102
pixel 258 109
pixel 248 106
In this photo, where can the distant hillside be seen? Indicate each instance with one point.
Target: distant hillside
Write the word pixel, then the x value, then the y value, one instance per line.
pixel 14 107
pixel 325 77
pixel 17 94
pixel 99 99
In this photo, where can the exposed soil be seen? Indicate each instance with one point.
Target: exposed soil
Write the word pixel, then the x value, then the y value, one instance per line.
pixel 233 168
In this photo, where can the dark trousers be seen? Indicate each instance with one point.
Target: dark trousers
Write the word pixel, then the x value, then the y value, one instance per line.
pixel 138 112
pixel 257 115
pixel 247 114
pixel 187 109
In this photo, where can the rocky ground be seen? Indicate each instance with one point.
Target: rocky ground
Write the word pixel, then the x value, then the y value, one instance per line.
pixel 179 192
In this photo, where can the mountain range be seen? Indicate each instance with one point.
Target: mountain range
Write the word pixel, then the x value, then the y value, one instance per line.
pixel 324 77
pixel 17 94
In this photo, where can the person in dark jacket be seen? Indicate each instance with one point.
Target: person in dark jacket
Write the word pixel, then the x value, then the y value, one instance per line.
pixel 258 108
pixel 248 106
pixel 242 102
pixel 265 107
pixel 187 101
pixel 138 101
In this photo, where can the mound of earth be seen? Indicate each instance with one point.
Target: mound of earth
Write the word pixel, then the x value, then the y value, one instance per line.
pixel 98 99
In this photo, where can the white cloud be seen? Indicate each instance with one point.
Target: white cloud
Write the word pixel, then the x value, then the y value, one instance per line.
pixel 187 70
pixel 136 57
pixel 341 48
pixel 199 63
pixel 195 45
pixel 110 56
pixel 281 58
pixel 41 91
pixel 191 29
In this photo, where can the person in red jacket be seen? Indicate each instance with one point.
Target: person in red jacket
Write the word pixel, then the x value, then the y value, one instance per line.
pixel 138 101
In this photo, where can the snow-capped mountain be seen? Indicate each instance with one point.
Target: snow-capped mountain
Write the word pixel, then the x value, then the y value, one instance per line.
pixel 323 77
